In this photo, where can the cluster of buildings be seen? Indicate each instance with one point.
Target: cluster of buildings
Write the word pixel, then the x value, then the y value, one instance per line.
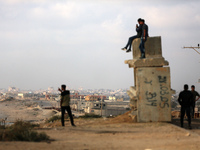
pixel 104 102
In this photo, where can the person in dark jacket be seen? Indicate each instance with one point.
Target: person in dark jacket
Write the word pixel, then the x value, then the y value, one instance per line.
pixel 65 104
pixel 144 36
pixel 195 95
pixel 130 40
pixel 185 100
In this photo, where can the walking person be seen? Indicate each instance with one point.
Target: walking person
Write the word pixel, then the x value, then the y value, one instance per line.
pixel 130 40
pixel 65 104
pixel 144 36
pixel 185 100
pixel 195 94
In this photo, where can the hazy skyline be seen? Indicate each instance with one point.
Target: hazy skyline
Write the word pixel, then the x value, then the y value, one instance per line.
pixel 47 43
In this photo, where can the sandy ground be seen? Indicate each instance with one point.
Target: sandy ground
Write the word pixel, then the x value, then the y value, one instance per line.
pixel 102 133
pixel 26 110
pixel 114 133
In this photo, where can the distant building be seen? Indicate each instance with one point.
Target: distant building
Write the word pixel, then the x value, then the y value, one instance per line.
pixel 13 89
pixel 94 97
pixel 84 106
pixel 76 96
pixel 99 108
pixel 103 109
pixel 120 99
pixel 112 98
pixel 91 98
pixel 21 95
pixel 50 89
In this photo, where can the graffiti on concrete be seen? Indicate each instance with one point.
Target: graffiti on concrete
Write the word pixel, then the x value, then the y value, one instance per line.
pixel 148 82
pixel 162 79
pixel 151 98
pixel 164 91
pixel 160 98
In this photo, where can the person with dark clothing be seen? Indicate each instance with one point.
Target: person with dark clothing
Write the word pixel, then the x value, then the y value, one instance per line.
pixel 65 104
pixel 185 100
pixel 144 36
pixel 195 94
pixel 130 40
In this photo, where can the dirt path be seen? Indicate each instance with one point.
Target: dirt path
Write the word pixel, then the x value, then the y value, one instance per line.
pixel 110 134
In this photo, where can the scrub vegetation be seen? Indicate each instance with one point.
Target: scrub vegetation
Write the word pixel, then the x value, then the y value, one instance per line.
pixel 22 131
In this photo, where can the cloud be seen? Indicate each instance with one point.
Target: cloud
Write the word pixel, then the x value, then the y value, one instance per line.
pixel 14 2
pixel 113 28
pixel 36 37
pixel 67 10
pixel 183 15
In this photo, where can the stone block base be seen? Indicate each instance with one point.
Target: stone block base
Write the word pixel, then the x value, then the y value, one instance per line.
pixel 151 96
pixel 153 47
pixel 148 62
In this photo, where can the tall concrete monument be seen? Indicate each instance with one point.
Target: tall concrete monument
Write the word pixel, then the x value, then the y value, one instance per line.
pixel 150 97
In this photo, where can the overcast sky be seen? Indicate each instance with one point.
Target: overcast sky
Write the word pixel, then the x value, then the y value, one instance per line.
pixel 46 43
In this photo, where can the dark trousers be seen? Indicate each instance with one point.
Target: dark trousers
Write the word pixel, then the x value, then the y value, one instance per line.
pixel 130 40
pixel 187 111
pixel 63 108
pixel 142 49
pixel 193 106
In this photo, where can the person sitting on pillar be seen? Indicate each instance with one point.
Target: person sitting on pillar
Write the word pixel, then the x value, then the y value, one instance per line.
pixel 130 40
pixel 185 100
pixel 144 36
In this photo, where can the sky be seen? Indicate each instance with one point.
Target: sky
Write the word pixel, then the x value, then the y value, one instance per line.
pixel 78 42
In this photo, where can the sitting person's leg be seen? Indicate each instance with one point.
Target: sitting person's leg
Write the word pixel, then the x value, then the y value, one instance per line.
pixel 130 40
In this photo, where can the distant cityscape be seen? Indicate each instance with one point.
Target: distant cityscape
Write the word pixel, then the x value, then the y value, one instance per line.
pixel 104 102
pixel 51 93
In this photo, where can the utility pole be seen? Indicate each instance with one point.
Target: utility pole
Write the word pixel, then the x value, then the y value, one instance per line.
pixel 101 105
pixel 194 48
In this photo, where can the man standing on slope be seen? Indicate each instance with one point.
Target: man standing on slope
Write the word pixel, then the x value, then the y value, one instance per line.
pixel 65 104
pixel 185 100
pixel 195 94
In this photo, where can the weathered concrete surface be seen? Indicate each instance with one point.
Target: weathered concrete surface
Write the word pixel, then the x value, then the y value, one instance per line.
pixel 153 47
pixel 150 98
pixel 133 103
pixel 148 62
pixel 154 94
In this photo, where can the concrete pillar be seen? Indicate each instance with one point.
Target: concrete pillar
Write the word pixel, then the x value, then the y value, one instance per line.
pixel 150 97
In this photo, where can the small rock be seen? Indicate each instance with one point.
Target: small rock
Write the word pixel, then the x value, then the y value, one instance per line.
pixel 188 134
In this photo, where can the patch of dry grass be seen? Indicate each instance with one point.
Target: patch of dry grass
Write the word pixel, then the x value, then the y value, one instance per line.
pixel 22 131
